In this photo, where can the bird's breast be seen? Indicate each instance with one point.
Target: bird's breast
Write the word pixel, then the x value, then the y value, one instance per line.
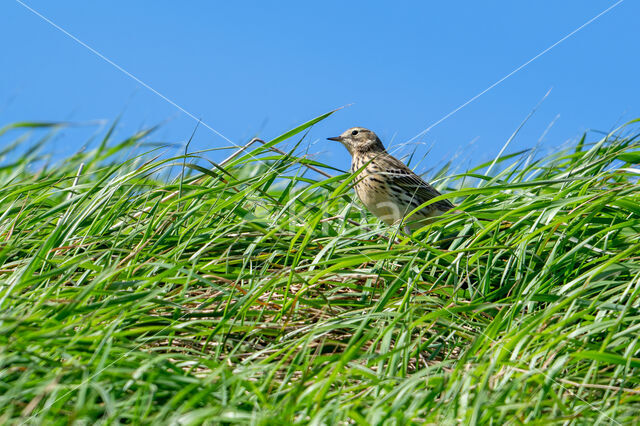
pixel 376 195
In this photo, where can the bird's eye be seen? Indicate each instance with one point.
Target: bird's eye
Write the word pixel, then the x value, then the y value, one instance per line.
pixel 355 132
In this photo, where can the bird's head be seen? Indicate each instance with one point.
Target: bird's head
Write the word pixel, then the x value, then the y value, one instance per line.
pixel 359 140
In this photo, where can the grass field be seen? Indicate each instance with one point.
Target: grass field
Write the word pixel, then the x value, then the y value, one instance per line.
pixel 142 289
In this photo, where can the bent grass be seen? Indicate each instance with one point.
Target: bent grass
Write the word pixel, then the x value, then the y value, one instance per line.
pixel 257 291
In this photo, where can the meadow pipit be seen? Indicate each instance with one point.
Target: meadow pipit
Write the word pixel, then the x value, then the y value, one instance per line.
pixel 387 187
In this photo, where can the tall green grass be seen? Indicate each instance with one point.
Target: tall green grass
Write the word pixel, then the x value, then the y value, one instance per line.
pixel 156 290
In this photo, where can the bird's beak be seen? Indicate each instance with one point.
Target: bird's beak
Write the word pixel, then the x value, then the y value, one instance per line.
pixel 336 138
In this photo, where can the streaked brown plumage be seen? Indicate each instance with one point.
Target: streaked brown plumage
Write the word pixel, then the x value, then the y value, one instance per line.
pixel 387 187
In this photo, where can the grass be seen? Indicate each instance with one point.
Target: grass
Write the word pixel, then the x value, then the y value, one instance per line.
pixel 258 291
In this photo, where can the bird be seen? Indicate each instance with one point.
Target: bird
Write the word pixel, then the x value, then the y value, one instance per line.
pixel 385 185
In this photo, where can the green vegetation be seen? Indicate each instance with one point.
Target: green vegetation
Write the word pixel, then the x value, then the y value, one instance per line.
pixel 258 291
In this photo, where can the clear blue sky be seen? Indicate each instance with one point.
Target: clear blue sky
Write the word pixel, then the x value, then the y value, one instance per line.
pixel 258 68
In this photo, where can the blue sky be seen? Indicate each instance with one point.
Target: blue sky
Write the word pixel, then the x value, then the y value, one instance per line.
pixel 260 68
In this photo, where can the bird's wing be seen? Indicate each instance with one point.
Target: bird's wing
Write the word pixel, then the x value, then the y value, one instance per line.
pixel 400 175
